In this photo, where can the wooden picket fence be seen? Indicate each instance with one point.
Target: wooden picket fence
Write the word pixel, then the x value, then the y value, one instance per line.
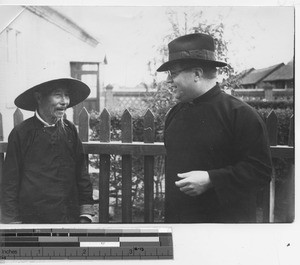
pixel 149 149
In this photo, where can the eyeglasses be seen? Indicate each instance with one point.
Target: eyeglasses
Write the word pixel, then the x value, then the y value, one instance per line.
pixel 174 74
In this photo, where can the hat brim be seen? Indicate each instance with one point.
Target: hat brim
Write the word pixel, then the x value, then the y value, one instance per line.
pixel 170 64
pixel 78 92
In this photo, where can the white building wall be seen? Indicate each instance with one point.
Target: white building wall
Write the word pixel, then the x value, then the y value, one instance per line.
pixel 33 50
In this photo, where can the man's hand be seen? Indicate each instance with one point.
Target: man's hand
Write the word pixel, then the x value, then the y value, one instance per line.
pixel 193 183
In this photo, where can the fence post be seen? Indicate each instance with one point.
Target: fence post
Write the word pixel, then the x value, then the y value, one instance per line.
pixel 291 141
pixel 104 167
pixel 1 160
pixel 291 176
pixel 18 117
pixel 268 92
pixel 126 125
pixel 149 168
pixel 83 132
pixel 271 124
pixel 109 97
pixel 1 128
pixel 84 125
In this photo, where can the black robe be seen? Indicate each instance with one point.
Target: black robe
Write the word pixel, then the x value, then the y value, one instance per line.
pixel 45 179
pixel 226 137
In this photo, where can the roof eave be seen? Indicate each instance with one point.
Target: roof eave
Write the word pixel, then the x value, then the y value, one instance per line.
pixel 61 21
pixel 11 21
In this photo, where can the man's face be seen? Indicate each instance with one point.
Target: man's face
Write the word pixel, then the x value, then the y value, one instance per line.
pixel 53 106
pixel 182 83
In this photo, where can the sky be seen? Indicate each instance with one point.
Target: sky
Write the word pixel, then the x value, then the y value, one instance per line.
pixel 257 36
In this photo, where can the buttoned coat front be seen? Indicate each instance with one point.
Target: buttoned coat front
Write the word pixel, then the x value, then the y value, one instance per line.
pixel 45 179
pixel 227 138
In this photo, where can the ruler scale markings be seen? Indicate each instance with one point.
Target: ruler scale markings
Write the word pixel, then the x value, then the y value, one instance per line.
pixel 126 243
pixel 144 252
pixel 151 251
pixel 104 252
pixel 116 252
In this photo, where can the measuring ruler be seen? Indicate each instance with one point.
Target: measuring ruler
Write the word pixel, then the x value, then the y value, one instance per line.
pixel 128 243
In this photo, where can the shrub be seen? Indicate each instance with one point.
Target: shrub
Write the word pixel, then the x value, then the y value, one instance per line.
pixel 137 168
pixel 283 122
pixel 282 166
pixel 276 104
pixel 283 111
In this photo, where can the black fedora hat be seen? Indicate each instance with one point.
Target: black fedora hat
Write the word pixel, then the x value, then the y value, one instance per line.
pixel 196 47
pixel 78 91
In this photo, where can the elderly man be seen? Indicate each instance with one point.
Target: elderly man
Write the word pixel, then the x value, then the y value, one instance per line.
pixel 45 178
pixel 217 147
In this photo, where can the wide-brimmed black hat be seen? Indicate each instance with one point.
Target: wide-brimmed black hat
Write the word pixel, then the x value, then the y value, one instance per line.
pixel 78 92
pixel 196 47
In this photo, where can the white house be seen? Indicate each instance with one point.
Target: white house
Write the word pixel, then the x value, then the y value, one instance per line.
pixel 37 43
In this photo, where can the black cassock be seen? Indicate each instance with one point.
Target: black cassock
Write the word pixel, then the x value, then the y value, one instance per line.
pixel 226 137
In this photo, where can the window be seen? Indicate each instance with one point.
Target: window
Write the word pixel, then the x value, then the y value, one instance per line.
pixel 87 72
pixel 91 81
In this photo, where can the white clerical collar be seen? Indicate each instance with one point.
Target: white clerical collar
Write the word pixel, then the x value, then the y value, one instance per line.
pixel 46 124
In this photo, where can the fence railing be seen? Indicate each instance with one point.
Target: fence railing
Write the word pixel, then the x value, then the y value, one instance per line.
pixel 264 93
pixel 149 149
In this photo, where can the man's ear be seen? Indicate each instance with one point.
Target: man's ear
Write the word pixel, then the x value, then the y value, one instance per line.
pixel 198 73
